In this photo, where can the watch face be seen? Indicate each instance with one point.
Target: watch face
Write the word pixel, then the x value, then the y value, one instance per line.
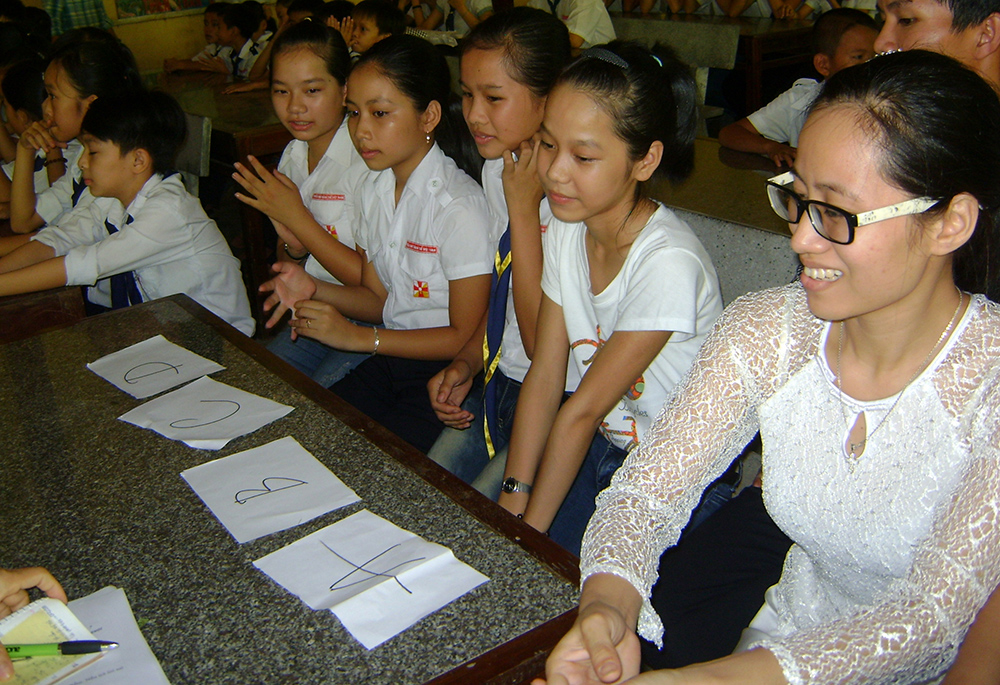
pixel 509 486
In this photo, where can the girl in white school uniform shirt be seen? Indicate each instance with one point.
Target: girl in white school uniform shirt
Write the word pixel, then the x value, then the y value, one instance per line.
pixel 311 199
pixel 425 238
pixel 629 292
pixel 76 75
pixel 509 64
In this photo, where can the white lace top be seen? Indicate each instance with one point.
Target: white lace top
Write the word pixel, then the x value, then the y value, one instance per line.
pixel 894 554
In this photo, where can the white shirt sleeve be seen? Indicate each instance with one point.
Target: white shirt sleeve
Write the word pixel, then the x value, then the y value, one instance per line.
pixel 782 119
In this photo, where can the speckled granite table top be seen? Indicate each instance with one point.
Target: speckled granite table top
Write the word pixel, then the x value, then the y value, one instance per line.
pixel 101 502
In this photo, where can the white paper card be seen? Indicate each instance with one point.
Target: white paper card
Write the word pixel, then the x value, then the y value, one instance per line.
pixel 206 414
pixel 152 366
pixel 109 617
pixel 377 578
pixel 41 622
pixel 269 488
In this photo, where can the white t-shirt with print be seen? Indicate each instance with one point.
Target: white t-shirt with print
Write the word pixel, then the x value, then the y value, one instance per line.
pixel 667 283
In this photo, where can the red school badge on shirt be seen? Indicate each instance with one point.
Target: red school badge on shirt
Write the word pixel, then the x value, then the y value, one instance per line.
pixel 332 230
pixel 421 289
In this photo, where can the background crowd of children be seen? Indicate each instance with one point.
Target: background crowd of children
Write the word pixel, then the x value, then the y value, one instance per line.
pixel 482 273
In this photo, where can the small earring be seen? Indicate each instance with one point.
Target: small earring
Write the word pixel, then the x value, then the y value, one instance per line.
pixel 428 138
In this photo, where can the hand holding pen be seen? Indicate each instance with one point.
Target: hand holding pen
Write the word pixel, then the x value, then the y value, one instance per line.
pixel 14 586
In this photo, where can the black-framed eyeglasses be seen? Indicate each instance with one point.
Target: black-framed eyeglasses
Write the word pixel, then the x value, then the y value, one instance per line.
pixel 833 223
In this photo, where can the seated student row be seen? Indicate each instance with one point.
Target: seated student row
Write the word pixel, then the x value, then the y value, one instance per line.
pixel 524 157
pixel 613 59
pixel 426 241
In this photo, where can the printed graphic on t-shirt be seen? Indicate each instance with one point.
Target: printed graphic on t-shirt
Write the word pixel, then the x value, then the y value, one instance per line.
pixel 619 424
pixel 332 197
pixel 331 229
pixel 421 289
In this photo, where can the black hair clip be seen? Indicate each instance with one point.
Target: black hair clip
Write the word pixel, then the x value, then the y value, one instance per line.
pixel 605 55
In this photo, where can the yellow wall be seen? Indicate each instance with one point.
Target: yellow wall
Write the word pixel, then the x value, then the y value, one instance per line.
pixel 154 39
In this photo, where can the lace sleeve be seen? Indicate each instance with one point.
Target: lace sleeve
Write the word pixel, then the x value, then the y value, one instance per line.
pixel 709 418
pixel 913 634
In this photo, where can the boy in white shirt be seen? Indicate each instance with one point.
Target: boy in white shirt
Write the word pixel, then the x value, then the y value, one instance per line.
pixel 842 38
pixel 213 56
pixel 143 236
pixel 588 21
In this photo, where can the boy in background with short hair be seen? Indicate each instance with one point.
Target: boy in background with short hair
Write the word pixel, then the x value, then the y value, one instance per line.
pixel 841 38
pixel 143 237
pixel 375 20
pixel 213 55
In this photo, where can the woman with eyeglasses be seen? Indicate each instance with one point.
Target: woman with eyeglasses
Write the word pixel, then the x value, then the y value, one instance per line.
pixel 875 385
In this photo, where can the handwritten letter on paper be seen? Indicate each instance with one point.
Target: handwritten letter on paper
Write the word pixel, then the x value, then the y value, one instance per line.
pixel 152 366
pixel 377 578
pixel 269 488
pixel 206 414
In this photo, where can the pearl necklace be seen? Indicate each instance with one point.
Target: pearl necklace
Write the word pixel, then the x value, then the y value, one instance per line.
pixel 856 447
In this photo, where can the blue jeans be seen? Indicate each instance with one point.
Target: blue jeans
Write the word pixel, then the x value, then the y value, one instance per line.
pixel 599 465
pixel 322 363
pixel 463 452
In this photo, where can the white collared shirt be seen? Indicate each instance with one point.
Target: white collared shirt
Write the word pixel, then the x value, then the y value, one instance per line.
pixel 440 231
pixel 330 191
pixel 588 19
pixel 58 198
pixel 171 246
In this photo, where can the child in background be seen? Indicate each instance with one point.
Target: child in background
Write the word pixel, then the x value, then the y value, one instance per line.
pixel 143 236
pixel 588 21
pixel 509 63
pixel 79 72
pixel 311 198
pixel 422 14
pixel 841 38
pixel 629 291
pixel 424 237
pixel 23 92
pixel 337 15
pixel 300 9
pixel 213 56
pixel 235 32
pixel 375 20
pixel 461 16
pixel 262 37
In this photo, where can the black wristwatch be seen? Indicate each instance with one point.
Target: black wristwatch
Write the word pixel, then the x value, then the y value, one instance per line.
pixel 511 484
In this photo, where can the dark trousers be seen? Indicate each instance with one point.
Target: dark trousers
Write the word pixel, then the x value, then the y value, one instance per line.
pixel 393 392
pixel 712 583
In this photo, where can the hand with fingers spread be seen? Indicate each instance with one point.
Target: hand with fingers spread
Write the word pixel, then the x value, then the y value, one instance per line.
pixel 447 390
pixel 273 194
pixel 290 285
pixel 345 27
pixel 321 321
pixel 14 585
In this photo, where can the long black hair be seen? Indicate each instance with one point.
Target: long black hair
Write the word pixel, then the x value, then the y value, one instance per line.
pixel 535 45
pixel 935 123
pixel 420 72
pixel 319 39
pixel 649 95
